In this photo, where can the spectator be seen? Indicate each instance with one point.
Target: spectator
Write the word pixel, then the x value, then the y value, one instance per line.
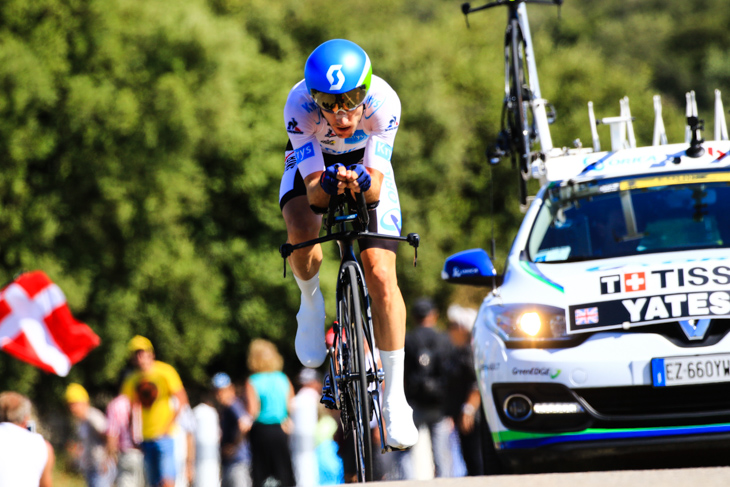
pixel 235 425
pixel 152 386
pixel 269 393
pixel 184 439
pixel 96 466
pixel 121 444
pixel 304 427
pixel 462 393
pixel 329 464
pixel 331 449
pixel 207 444
pixel 427 353
pixel 26 459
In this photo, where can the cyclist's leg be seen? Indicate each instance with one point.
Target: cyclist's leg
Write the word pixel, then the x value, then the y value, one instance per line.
pixel 389 313
pixel 389 310
pixel 379 259
pixel 303 224
pixel 389 320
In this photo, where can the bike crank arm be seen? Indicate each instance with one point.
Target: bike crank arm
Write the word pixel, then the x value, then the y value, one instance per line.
pixel 334 379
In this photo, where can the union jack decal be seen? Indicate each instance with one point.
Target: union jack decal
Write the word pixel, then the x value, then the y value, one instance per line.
pixel 586 316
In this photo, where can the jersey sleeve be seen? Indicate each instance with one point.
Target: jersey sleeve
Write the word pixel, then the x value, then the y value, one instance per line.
pixel 382 116
pixel 302 119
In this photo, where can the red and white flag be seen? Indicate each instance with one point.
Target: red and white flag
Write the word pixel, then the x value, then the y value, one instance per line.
pixel 37 327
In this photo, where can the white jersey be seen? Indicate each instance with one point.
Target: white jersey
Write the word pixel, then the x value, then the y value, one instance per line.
pixel 311 135
pixel 23 456
pixel 312 138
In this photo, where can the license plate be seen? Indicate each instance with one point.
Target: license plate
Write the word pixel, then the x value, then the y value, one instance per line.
pixel 697 369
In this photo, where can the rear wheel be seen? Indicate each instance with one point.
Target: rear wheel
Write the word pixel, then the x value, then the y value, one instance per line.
pixel 519 113
pixel 359 397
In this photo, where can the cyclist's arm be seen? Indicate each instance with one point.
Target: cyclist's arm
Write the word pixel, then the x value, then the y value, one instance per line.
pixel 317 197
pixel 315 194
pixel 372 195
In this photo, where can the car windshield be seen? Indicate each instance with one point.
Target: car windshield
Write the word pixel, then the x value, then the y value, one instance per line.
pixel 598 220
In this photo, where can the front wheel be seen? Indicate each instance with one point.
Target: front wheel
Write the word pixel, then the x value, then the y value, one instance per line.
pixel 357 386
pixel 490 461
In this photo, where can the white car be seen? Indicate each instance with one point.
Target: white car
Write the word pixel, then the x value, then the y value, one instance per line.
pixel 608 331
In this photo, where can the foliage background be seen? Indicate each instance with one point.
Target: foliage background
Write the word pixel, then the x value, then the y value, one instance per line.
pixel 141 146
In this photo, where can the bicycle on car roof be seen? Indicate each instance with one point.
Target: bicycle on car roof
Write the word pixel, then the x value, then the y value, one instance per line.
pixel 525 115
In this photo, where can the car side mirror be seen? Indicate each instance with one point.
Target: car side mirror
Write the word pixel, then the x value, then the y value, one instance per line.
pixel 471 267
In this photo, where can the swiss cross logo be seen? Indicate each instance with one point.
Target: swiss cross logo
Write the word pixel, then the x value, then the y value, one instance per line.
pixel 634 281
pixel 714 152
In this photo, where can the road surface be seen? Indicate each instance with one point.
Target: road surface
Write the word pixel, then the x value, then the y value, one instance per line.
pixel 684 477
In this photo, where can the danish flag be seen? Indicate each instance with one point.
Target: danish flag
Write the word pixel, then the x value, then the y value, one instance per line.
pixel 37 327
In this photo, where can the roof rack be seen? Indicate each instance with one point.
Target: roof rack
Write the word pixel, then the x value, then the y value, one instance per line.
pixel 622 130
pixel 720 123
pixel 621 126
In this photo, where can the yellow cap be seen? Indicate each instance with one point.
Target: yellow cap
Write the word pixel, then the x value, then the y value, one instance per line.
pixel 139 343
pixel 76 393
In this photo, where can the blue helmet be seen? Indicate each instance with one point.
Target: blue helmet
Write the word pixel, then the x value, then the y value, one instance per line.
pixel 338 75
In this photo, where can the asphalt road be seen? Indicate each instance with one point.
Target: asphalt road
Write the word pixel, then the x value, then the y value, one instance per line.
pixel 687 477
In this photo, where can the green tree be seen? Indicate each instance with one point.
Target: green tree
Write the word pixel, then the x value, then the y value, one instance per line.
pixel 142 147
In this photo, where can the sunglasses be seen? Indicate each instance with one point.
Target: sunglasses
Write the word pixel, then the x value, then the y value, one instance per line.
pixel 334 103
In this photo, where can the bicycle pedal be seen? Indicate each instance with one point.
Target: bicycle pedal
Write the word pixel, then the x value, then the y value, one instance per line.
pixel 328 396
pixel 389 449
pixel 494 154
pixel 329 402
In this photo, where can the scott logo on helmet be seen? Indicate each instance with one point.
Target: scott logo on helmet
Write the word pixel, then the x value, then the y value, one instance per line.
pixel 335 68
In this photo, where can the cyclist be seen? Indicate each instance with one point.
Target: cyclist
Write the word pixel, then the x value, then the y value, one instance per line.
pixel 341 121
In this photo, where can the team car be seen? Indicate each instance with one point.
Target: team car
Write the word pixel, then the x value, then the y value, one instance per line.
pixel 608 331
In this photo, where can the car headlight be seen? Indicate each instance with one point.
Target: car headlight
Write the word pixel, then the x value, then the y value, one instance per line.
pixel 527 322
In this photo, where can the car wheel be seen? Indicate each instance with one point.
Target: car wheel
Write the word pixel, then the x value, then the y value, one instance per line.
pixel 491 462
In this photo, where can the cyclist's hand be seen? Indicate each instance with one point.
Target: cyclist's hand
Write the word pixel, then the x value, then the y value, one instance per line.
pixel 330 179
pixel 361 175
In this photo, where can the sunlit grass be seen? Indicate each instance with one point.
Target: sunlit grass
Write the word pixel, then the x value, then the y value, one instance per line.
pixel 62 478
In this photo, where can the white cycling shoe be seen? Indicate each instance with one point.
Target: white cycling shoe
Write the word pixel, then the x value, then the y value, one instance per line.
pixel 401 432
pixel 310 341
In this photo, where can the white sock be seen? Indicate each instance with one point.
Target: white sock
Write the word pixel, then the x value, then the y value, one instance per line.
pixel 308 288
pixel 400 430
pixel 393 366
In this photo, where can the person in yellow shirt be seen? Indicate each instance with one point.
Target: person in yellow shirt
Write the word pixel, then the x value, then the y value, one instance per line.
pixel 153 386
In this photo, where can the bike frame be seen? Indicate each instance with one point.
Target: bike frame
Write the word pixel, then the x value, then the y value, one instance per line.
pixel 347 260
pixel 537 102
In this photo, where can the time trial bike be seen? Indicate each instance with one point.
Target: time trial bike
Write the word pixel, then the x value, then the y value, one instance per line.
pixel 353 385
